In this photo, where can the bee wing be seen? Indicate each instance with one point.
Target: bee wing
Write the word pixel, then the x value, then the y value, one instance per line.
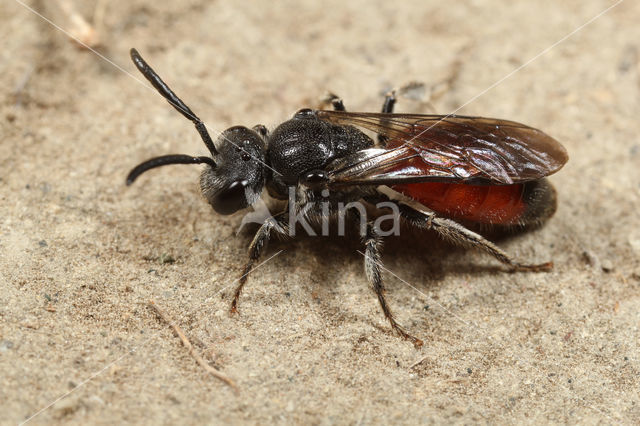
pixel 452 148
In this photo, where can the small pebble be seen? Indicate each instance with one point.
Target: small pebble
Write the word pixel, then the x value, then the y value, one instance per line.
pixel 65 407
pixel 607 265
pixel 591 259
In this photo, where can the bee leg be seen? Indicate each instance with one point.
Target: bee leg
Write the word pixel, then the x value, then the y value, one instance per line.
pixel 334 100
pixel 372 268
pixel 458 234
pixel 387 108
pixel 260 240
pixel 389 102
pixel 262 130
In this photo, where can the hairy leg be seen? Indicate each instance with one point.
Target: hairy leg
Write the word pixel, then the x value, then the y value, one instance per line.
pixel 258 244
pixel 458 234
pixel 387 108
pixel 335 101
pixel 372 268
pixel 389 102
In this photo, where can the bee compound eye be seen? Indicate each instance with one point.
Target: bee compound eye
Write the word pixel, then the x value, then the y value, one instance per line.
pixel 232 198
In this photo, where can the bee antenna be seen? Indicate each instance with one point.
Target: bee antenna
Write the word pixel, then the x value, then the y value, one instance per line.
pixel 172 98
pixel 165 160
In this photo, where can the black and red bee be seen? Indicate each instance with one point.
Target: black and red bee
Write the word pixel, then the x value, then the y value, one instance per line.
pixel 436 170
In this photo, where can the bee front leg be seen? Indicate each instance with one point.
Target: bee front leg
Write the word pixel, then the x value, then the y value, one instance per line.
pixel 335 101
pixel 260 240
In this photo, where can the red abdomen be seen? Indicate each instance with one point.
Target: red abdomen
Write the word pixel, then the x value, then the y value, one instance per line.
pixel 491 204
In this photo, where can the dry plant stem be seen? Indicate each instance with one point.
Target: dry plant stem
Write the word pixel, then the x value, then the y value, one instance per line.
pixel 417 363
pixel 80 28
pixel 187 344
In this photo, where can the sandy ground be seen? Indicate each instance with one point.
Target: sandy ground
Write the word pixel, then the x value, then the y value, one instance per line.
pixel 81 255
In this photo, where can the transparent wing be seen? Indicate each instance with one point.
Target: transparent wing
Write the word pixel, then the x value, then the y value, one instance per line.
pixel 453 148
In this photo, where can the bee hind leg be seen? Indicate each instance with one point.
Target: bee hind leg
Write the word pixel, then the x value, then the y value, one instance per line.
pixel 458 234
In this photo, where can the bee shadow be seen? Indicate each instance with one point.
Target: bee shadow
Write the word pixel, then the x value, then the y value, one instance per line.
pixel 418 256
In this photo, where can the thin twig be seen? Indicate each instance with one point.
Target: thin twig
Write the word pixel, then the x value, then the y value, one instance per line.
pixel 417 363
pixel 187 344
pixel 80 28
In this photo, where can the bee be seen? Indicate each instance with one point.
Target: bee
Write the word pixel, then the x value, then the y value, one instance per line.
pixel 436 171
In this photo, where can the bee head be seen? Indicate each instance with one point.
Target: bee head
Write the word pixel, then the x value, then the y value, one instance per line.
pixel 238 177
